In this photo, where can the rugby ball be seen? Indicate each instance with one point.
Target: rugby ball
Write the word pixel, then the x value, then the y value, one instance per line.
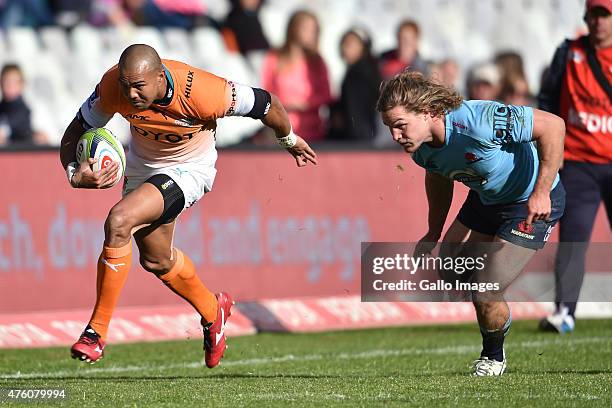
pixel 101 144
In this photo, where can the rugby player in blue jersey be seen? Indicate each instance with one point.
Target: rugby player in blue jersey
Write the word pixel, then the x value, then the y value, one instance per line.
pixel 515 195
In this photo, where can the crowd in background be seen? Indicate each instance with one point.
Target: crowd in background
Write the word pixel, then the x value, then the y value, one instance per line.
pixel 296 71
pixel 299 75
pixel 68 13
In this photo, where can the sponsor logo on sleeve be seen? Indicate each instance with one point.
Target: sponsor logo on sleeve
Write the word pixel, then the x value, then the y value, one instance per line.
pixel 232 108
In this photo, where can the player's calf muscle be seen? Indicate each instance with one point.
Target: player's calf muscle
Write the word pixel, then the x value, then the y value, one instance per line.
pixel 491 314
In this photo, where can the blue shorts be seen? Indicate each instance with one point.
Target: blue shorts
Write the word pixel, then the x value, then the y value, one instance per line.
pixel 507 221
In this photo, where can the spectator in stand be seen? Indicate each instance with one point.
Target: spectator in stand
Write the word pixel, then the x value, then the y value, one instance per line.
pixel 514 88
pixel 484 82
pixel 185 14
pixel 510 65
pixel 69 13
pixel 354 116
pixel 30 13
pixel 297 74
pixel 446 72
pixel 515 91
pixel 15 115
pixel 117 13
pixel 242 29
pixel 577 88
pixel 406 55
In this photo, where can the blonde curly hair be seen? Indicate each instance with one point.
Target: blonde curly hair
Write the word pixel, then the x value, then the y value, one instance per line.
pixel 418 94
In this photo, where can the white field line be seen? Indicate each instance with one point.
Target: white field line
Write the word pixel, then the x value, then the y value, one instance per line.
pixel 376 353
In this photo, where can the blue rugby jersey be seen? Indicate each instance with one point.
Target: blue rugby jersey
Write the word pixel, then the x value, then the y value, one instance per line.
pixel 487 147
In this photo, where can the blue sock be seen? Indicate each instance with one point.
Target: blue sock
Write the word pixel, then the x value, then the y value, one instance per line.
pixel 493 341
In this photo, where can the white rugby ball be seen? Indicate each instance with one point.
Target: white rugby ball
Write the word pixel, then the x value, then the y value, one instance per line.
pixel 101 144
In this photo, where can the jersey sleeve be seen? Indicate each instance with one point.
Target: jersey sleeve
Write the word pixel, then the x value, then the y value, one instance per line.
pixel 240 99
pixel 511 123
pixel 101 105
pixel 211 96
pixel 220 97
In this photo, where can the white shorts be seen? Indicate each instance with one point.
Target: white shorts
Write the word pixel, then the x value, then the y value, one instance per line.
pixel 195 178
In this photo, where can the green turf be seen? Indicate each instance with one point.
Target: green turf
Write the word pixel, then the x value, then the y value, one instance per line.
pixel 410 366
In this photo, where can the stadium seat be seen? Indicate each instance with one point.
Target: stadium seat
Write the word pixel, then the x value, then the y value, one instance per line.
pixel 22 41
pixel 83 77
pixel 231 66
pixel 178 46
pixel 55 39
pixel 255 61
pixel 451 28
pixel 208 44
pixel 147 35
pixel 537 35
pixel 480 49
pixel 50 76
pixel 274 24
pixel 333 26
pixel 3 48
pixel 86 42
pixel 49 96
pixel 44 119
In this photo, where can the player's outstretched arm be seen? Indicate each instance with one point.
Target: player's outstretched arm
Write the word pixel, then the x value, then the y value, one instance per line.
pixel 439 192
pixel 549 133
pixel 81 175
pixel 277 119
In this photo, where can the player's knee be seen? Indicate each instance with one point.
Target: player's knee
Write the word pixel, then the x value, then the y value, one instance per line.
pixel 118 225
pixel 156 266
pixel 487 304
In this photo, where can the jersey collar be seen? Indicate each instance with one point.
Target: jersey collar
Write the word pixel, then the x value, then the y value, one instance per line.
pixel 167 99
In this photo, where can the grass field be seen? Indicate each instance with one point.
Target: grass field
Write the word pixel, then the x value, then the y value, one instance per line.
pixel 416 366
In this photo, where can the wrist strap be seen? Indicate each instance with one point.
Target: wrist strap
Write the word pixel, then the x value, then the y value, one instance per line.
pixel 596 67
pixel 288 141
pixel 70 170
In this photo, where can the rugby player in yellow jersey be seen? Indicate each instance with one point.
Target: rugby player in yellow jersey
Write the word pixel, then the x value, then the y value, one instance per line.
pixel 172 109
